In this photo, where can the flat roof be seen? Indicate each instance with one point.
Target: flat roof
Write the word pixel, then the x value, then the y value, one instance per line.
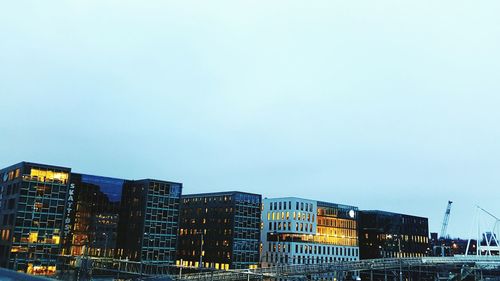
pixel 390 213
pixel 312 200
pixel 219 193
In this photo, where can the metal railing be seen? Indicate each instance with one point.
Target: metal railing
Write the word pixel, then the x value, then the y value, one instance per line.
pixel 289 271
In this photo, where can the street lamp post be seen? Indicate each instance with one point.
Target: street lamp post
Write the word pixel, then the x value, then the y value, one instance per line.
pixel 399 256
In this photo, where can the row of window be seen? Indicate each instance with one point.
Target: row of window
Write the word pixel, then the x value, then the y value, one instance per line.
pixel 336 222
pixel 303 227
pixel 276 260
pixel 10 175
pixel 313 249
pixel 287 205
pixel 195 264
pixel 271 216
pixel 412 238
pixel 207 199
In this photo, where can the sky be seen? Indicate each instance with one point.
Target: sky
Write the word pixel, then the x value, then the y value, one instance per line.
pixel 390 105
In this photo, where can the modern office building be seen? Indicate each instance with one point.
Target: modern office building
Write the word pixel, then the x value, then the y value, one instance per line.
pixel 48 212
pixel 387 235
pixel 149 221
pixel 92 224
pixel 302 231
pixel 220 230
pixel 32 212
pixel 127 219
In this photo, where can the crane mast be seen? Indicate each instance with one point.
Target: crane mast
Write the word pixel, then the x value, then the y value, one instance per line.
pixel 445 220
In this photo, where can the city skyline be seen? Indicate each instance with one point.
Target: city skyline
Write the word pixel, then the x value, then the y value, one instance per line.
pixel 223 191
pixel 385 106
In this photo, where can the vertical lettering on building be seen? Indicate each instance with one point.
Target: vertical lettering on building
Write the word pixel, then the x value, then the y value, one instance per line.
pixel 69 209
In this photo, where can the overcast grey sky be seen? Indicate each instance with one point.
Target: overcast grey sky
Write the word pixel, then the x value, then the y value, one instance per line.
pixel 390 105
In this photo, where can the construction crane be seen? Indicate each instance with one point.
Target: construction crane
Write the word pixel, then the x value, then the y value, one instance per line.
pixel 445 221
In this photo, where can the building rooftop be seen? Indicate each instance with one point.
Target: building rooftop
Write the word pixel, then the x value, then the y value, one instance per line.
pixel 220 193
pixel 389 213
pixel 312 200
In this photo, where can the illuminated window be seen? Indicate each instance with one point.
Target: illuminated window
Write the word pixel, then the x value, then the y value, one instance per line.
pixel 49 175
pixel 33 237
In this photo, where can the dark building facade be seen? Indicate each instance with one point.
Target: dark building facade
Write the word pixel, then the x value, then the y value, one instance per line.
pixel 124 219
pixel 388 235
pixel 222 230
pixel 149 221
pixel 92 222
pixel 48 211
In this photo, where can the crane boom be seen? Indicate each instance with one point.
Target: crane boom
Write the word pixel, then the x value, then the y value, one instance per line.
pixel 445 220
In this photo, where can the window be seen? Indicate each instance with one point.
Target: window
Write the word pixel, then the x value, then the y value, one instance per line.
pixel 33 238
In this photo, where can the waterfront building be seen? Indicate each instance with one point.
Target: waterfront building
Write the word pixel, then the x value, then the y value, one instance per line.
pixel 125 219
pixel 220 230
pixel 389 235
pixel 302 231
pixel 32 211
pixel 47 212
pixel 92 224
pixel 149 221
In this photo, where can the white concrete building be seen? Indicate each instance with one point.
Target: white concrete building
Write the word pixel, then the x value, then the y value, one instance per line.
pixel 302 231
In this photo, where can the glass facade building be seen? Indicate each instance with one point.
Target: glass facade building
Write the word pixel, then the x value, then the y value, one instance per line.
pixel 92 223
pixel 388 235
pixel 32 207
pixel 149 221
pixel 221 230
pixel 47 212
pixel 125 219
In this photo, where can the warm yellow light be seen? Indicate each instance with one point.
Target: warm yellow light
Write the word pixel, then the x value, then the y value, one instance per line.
pixel 33 238
pixel 49 175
